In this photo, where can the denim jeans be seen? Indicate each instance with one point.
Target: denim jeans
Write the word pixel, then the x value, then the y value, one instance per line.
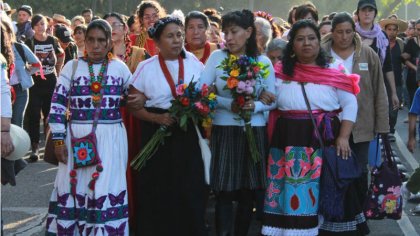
pixel 19 105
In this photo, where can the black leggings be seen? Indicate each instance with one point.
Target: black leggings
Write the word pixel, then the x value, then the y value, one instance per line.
pixel 39 101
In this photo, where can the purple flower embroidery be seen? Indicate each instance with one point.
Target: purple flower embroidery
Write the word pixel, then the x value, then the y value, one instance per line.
pixel 104 216
pixel 125 212
pixel 113 90
pixel 58 119
pixel 64 213
pixel 111 114
pixel 54 98
pixel 84 90
pixel 112 212
pixel 81 115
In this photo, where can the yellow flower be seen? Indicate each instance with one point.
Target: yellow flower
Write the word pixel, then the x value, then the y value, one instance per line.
pixel 212 96
pixel 234 73
pixel 185 86
pixel 207 122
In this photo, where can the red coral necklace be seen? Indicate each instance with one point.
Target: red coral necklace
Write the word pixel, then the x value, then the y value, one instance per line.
pixel 168 76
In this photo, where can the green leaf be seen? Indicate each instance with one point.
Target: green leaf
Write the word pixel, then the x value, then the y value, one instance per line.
pixel 183 122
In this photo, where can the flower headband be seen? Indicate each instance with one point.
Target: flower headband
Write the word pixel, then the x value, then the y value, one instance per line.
pixel 162 23
pixel 264 15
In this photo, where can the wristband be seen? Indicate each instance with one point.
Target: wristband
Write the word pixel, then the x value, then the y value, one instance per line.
pixel 58 143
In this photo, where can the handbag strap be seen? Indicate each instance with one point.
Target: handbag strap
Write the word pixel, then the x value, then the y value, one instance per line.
pixel 97 108
pixel 74 67
pixel 308 106
pixel 389 156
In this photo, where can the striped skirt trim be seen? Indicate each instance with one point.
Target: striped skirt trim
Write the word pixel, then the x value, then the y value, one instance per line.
pixel 344 226
pixel 273 231
pixel 232 167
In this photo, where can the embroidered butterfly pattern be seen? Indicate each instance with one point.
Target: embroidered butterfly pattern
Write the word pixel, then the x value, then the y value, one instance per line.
pixel 97 203
pixel 63 231
pixel 120 230
pixel 62 200
pixel 117 199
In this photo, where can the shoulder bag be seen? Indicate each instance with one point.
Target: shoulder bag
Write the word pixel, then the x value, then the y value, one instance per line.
pixel 336 175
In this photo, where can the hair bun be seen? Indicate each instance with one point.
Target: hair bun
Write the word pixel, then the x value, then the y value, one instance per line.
pixel 249 15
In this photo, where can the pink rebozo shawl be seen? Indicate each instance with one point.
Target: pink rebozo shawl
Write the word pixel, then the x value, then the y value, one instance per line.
pixel 314 74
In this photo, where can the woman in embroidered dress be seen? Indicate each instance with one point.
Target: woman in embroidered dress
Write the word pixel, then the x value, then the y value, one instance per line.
pixel 291 200
pixel 196 28
pixel 148 12
pixel 131 56
pixel 90 199
pixel 234 175
pixel 170 189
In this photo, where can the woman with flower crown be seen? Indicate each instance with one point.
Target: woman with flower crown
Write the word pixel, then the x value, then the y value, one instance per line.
pixel 235 174
pixel 90 190
pixel 170 188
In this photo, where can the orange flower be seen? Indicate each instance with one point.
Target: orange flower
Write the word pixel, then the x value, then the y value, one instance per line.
pixel 96 98
pixel 96 87
pixel 232 82
pixel 82 153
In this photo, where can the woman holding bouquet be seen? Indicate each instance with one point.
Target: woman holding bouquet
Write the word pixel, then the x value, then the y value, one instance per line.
pixel 292 197
pixel 235 172
pixel 170 188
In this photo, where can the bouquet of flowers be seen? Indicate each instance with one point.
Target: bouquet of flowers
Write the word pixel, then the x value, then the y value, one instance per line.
pixel 190 103
pixel 243 75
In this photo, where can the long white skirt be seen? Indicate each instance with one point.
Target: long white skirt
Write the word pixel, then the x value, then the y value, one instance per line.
pixel 103 211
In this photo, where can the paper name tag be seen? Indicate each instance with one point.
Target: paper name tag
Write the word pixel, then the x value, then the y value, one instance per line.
pixel 363 67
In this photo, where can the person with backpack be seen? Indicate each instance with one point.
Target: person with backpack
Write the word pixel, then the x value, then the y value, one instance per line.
pixel 51 56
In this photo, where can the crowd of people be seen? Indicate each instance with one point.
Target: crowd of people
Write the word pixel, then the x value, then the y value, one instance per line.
pixel 109 81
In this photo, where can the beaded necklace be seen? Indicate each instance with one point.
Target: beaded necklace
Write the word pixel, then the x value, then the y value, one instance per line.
pixel 206 52
pixel 96 81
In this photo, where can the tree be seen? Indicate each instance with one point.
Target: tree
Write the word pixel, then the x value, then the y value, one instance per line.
pixel 391 6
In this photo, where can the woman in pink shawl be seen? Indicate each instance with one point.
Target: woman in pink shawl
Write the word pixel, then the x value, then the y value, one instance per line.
pixel 294 163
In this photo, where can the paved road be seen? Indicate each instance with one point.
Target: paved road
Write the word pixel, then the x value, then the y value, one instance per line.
pixel 24 206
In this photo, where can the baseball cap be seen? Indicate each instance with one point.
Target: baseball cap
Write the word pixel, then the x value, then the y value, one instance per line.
pixel 63 34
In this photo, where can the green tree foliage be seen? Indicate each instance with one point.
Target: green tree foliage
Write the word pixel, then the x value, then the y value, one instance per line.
pixel 391 6
pixel 70 8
